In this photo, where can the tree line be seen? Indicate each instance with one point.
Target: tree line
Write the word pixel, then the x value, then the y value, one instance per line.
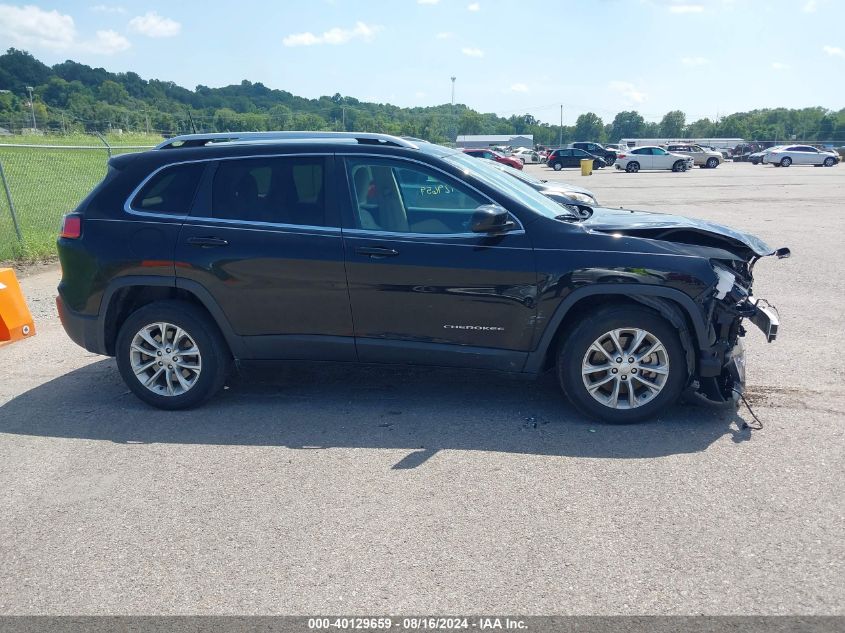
pixel 72 97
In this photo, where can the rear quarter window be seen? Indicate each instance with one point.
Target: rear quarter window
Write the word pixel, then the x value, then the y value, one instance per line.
pixel 170 191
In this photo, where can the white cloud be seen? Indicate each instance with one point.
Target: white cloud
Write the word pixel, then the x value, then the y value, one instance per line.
pixel 519 87
pixel 472 52
pixel 107 8
pixel 780 66
pixel 107 43
pixel 686 8
pixel 834 51
pixel 694 61
pixel 474 7
pixel 427 1
pixel 810 6
pixel 628 91
pixel 334 36
pixel 32 27
pixel 444 35
pixel 152 24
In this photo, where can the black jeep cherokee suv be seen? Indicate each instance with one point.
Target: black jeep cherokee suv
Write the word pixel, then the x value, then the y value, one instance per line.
pixel 215 249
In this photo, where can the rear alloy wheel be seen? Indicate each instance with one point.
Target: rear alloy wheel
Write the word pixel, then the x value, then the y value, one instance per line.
pixel 171 355
pixel 829 161
pixel 786 161
pixel 622 365
pixel 712 163
pixel 557 166
pixel 633 167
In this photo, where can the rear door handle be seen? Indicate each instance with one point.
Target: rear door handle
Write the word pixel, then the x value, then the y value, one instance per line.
pixel 376 252
pixel 207 242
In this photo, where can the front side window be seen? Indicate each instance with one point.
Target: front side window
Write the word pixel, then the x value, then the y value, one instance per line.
pixel 408 198
pixel 279 190
pixel 657 151
pixel 171 191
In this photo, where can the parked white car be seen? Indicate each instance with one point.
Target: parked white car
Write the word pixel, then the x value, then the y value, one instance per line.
pixel 800 155
pixel 652 157
pixel 527 156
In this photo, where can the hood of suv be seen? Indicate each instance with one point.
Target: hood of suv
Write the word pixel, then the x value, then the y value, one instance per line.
pixel 676 228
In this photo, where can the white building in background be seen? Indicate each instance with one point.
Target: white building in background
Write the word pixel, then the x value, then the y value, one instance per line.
pixel 474 141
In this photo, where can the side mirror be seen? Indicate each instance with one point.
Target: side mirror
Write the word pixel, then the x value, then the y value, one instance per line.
pixel 490 218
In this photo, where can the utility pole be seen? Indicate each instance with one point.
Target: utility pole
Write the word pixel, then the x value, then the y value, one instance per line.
pixel 560 141
pixel 343 115
pixel 64 129
pixel 32 108
pixel 452 110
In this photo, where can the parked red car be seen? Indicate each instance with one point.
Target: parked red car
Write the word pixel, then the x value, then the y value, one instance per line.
pixel 499 158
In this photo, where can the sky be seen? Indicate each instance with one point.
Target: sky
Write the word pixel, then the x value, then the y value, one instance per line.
pixel 708 58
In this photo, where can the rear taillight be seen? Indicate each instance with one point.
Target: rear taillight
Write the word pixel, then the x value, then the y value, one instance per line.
pixel 620 156
pixel 71 226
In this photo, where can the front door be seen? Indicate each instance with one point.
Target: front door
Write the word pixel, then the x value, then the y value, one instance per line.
pixel 424 288
pixel 264 239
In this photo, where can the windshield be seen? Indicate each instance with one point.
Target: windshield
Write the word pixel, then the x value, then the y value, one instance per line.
pixel 513 187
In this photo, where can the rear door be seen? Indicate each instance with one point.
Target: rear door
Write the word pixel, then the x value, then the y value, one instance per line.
pixel 643 157
pixel 423 287
pixel 264 240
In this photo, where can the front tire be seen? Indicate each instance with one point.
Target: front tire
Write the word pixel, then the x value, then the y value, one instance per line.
pixel 786 161
pixel 622 365
pixel 712 163
pixel 829 161
pixel 171 355
pixel 633 167
pixel 557 166
pixel 679 166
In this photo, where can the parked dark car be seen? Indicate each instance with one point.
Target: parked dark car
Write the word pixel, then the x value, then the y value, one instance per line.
pixel 596 149
pixel 570 157
pixel 214 250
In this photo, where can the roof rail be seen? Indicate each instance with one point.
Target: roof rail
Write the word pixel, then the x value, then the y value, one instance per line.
pixel 201 140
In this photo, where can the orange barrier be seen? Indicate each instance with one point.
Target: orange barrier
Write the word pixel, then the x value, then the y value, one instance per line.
pixel 15 320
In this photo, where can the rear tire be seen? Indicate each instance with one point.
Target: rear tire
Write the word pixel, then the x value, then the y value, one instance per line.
pixel 633 167
pixel 160 330
pixel 579 353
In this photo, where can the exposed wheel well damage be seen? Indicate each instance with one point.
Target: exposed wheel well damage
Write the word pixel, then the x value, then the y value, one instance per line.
pixel 666 308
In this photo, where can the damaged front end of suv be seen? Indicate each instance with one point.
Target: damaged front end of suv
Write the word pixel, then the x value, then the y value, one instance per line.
pixel 726 305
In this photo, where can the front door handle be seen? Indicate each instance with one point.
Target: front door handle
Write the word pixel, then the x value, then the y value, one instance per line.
pixel 207 242
pixel 376 252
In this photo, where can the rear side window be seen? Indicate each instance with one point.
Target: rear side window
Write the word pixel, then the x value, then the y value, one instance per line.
pixel 279 190
pixel 170 191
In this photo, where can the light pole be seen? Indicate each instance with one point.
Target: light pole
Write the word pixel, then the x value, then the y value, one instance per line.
pixel 32 108
pixel 452 111
pixel 560 143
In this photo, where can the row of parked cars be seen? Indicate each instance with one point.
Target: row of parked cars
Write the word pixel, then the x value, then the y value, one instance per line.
pixel 677 157
pixel 786 155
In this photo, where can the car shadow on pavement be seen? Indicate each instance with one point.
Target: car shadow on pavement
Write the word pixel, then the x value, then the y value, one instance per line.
pixel 323 405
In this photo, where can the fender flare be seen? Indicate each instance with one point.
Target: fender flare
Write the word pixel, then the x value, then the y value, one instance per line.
pixel 536 358
pixel 202 295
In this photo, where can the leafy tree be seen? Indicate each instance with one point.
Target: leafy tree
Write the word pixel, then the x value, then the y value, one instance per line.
pixel 589 127
pixel 113 93
pixel 672 124
pixel 627 124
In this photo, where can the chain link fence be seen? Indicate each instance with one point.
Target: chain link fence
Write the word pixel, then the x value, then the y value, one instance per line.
pixel 40 184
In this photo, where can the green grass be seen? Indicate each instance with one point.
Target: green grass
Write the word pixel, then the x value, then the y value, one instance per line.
pixel 45 184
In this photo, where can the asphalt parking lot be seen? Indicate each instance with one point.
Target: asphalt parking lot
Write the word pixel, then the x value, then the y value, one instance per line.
pixel 330 489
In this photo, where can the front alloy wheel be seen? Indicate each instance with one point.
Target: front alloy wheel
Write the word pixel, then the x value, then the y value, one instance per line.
pixel 622 364
pixel 786 161
pixel 625 368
